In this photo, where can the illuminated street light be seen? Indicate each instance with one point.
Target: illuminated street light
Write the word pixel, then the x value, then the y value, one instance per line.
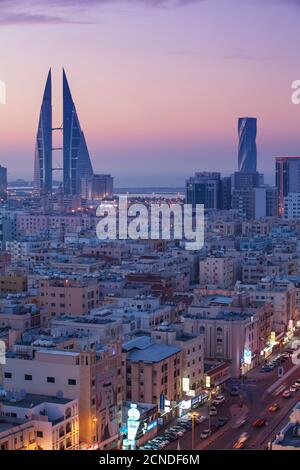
pixel 193 415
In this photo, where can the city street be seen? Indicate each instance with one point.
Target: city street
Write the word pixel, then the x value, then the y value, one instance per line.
pixel 259 391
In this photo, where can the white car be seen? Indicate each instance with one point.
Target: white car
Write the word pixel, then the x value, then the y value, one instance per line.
pixel 218 400
pixel 205 434
pixel 200 419
pixel 213 411
pixel 244 437
pixel 293 388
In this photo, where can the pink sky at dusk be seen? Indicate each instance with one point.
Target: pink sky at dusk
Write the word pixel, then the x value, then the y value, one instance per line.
pixel 158 87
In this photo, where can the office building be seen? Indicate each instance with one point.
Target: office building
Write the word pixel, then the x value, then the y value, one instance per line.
pixel 76 159
pixel 43 148
pixel 247 157
pixel 204 188
pixel 3 182
pixel 96 186
pixel 287 178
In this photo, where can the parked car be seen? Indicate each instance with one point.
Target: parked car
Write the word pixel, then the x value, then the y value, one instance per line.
pixel 273 407
pixel 222 421
pixel 259 422
pixel 286 394
pixel 213 411
pixel 285 356
pixel 218 400
pixel 205 434
pixel 297 383
pixel 200 419
pixel 214 427
pixel 235 391
pixel 266 369
pixel 293 388
pixel 171 436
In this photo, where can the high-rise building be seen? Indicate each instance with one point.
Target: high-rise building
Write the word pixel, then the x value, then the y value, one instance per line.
pixel 287 178
pixel 76 159
pixel 3 182
pixel 225 199
pixel 204 188
pixel 96 186
pixel 255 203
pixel 43 148
pixel 243 181
pixel 247 144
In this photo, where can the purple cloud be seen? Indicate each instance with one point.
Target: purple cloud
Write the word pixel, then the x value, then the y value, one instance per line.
pixel 62 11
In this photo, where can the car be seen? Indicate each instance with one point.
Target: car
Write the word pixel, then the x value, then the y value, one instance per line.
pixel 286 394
pixel 259 422
pixel 205 434
pixel 297 383
pixel 214 427
pixel 213 411
pixel 180 429
pixel 222 421
pixel 296 430
pixel 171 436
pixel 293 388
pixel 239 445
pixel 234 392
pixel 200 419
pixel 266 369
pixel 273 407
pixel 153 446
pixel 244 437
pixel 241 442
pixel 218 400
pixel 175 431
pixel 240 422
pixel 285 356
pixel 186 425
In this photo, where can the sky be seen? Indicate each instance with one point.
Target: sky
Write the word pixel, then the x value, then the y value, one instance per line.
pixel 158 84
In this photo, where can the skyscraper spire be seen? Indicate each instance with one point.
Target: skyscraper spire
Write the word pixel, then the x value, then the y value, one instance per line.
pixel 43 148
pixel 76 159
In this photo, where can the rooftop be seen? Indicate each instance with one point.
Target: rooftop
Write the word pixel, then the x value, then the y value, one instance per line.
pixel 152 353
pixel 31 400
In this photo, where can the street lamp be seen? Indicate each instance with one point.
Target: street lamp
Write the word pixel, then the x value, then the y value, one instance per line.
pixel 193 415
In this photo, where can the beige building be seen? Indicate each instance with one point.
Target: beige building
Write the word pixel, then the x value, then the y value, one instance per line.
pixel 192 347
pixel 36 422
pixel 69 296
pixel 12 283
pixel 94 377
pixel 152 370
pixel 218 271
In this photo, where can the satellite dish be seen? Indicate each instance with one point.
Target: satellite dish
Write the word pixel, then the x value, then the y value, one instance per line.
pixel 59 394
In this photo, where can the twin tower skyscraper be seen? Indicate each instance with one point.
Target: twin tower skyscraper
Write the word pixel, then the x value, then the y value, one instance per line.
pixel 76 159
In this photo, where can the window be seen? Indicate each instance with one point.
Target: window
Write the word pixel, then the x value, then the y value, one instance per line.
pixel 7 375
pixel 71 382
pixel 51 380
pixel 39 434
pixel 28 377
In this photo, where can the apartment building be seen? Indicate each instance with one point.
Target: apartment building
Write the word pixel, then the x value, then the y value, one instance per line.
pixel 68 295
pixel 46 423
pixel 152 372
pixel 218 271
pixel 192 347
pixel 93 376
